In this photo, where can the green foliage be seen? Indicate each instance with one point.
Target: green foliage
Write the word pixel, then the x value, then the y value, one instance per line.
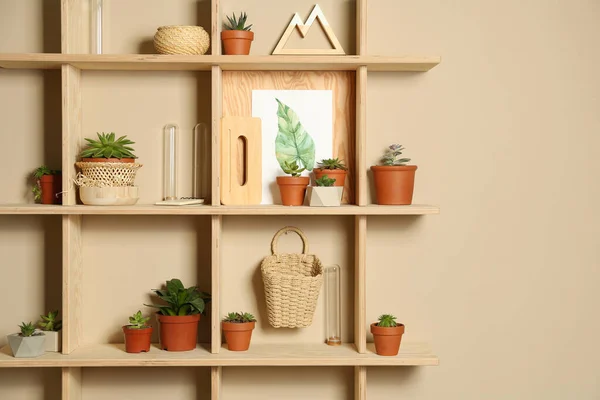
pixel 107 147
pixel 180 300
pixel 27 329
pixel 292 169
pixel 41 171
pixel 325 181
pixel 239 318
pixel 138 321
pixel 238 24
pixel 49 322
pixel 392 155
pixel 332 163
pixel 37 192
pixel 387 321
pixel 293 143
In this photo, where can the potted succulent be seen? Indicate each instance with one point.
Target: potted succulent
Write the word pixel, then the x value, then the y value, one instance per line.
pixel 394 180
pixel 108 168
pixel 236 36
pixel 137 334
pixel 47 185
pixel 387 335
pixel 51 326
pixel 334 168
pixel 28 343
pixel 179 317
pixel 237 328
pixel 325 194
pixel 292 188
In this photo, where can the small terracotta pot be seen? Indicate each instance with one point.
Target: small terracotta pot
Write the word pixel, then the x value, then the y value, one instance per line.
pixel 338 174
pixel 137 340
pixel 237 42
pixel 238 335
pixel 114 160
pixel 394 184
pixel 47 188
pixel 178 333
pixel 387 340
pixel 292 189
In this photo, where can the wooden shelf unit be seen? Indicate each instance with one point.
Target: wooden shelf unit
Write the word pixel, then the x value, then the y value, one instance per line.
pixel 77 356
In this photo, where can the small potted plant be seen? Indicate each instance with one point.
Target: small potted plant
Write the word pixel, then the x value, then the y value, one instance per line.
pixel 325 194
pixel 334 168
pixel 292 188
pixel 137 334
pixel 47 185
pixel 394 180
pixel 237 328
pixel 387 335
pixel 236 36
pixel 28 343
pixel 51 326
pixel 179 317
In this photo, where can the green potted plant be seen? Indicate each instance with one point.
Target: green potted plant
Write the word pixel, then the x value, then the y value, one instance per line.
pixel 47 185
pixel 325 194
pixel 334 168
pixel 236 36
pixel 51 326
pixel 28 343
pixel 387 335
pixel 237 328
pixel 292 188
pixel 137 334
pixel 394 180
pixel 179 316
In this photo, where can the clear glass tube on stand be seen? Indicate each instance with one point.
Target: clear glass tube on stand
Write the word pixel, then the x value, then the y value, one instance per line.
pixel 333 312
pixel 171 132
pixel 96 22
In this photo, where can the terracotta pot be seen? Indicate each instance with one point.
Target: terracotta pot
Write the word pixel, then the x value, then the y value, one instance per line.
pixel 115 160
pixel 238 335
pixel 237 42
pixel 394 184
pixel 338 174
pixel 137 340
pixel 292 189
pixel 178 333
pixel 47 188
pixel 387 340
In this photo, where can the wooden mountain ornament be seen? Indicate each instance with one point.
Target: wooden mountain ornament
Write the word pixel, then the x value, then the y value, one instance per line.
pixel 303 28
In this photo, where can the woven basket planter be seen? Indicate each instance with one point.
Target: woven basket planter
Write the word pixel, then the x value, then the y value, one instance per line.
pixel 292 283
pixel 190 40
pixel 106 174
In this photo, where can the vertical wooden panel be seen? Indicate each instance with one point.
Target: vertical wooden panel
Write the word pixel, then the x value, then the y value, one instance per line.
pixel 360 383
pixel 71 384
pixel 360 267
pixel 361 27
pixel 71 126
pixel 72 281
pixel 237 102
pixel 216 374
pixel 216 223
pixel 361 136
pixel 74 35
pixel 217 113
pixel 216 27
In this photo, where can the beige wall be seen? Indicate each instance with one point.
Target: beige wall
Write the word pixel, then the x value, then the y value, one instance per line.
pixel 504 131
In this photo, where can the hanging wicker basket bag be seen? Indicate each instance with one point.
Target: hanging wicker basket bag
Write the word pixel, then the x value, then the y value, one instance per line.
pixel 292 284
pixel 190 40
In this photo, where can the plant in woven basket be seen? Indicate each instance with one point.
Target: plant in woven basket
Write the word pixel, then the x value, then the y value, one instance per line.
pixel 332 163
pixel 236 35
pixel 107 147
pixel 50 322
pixel 237 327
pixel 387 335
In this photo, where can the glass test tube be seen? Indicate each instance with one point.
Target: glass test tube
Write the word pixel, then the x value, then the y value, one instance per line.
pixel 170 162
pixel 96 11
pixel 333 313
pixel 202 161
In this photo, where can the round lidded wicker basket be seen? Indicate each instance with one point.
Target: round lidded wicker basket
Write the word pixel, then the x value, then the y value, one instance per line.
pixel 292 284
pixel 176 39
pixel 106 174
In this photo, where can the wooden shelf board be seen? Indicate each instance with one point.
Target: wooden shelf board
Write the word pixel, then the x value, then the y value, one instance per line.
pixel 150 62
pixel 113 355
pixel 38 209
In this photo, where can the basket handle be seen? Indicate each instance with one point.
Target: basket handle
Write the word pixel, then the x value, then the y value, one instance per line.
pixel 286 230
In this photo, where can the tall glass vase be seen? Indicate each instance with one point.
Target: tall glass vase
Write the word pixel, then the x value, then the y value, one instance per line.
pixel 96 26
